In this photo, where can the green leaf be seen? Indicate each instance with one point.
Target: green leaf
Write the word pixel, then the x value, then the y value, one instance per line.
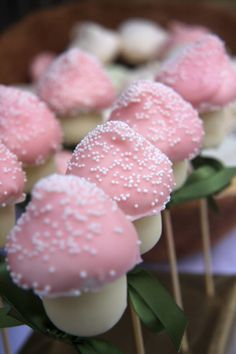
pixel 206 181
pixel 6 320
pixel 155 298
pixel 209 161
pixel 147 316
pixel 93 346
pixel 26 306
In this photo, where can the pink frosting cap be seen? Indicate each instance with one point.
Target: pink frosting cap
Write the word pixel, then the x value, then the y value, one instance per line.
pixel 27 126
pixel 163 117
pixel 227 90
pixel 40 64
pixel 74 82
pixel 12 178
pixel 62 158
pixel 181 34
pixel 128 167
pixel 198 71
pixel 72 238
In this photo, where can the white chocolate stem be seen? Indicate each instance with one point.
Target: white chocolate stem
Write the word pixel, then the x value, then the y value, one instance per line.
pixel 34 173
pixel 217 125
pixel 91 313
pixel 173 267
pixel 206 244
pixel 77 127
pixel 149 231
pixel 180 170
pixel 137 329
pixel 7 221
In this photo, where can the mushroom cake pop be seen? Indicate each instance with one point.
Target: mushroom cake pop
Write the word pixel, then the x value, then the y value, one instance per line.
pixel 73 247
pixel 77 88
pixel 203 74
pixel 12 180
pixel 30 130
pixel 165 119
pixel 129 168
pixel 97 40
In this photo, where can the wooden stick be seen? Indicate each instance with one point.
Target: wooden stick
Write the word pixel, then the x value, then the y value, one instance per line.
pixel 224 325
pixel 5 341
pixel 205 231
pixel 173 268
pixel 4 335
pixel 137 329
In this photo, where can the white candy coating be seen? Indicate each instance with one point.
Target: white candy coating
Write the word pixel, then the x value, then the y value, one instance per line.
pixel 97 40
pixel 140 40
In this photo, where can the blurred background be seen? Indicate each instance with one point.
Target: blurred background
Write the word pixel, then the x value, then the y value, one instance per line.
pixel 13 10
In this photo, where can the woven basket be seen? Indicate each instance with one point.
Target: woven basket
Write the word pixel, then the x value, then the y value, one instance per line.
pixel 49 30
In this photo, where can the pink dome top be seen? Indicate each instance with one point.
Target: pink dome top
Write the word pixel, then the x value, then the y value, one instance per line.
pixel 72 238
pixel 12 178
pixel 40 64
pixel 128 167
pixel 198 73
pixel 161 116
pixel 181 34
pixel 75 82
pixel 62 158
pixel 227 90
pixel 27 126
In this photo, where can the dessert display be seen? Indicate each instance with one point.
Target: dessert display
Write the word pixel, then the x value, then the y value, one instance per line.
pixel 30 130
pixel 136 174
pixel 77 88
pixel 97 40
pixel 11 190
pixel 72 254
pixel 207 66
pixel 66 250
pixel 165 119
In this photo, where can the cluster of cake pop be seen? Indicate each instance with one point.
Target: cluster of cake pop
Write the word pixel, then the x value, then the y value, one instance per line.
pixel 86 227
pixel 84 237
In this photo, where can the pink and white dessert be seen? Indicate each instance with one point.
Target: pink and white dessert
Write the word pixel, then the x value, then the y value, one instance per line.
pixel 73 247
pixel 129 168
pixel 203 74
pixel 77 88
pixel 30 130
pixel 97 40
pixel 164 118
pixel 40 64
pixel 12 180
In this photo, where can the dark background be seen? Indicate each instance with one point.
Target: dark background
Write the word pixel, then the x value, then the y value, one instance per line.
pixel 13 10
